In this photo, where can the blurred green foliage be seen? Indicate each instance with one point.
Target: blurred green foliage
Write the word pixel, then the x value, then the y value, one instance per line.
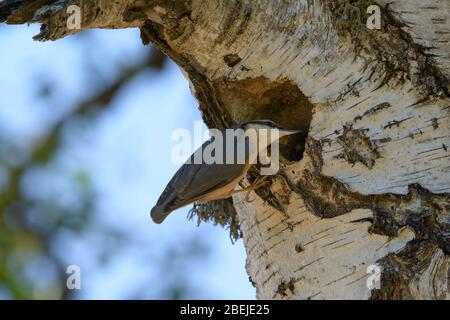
pixel 33 219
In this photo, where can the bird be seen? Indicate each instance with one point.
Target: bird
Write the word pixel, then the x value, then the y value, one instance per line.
pixel 204 181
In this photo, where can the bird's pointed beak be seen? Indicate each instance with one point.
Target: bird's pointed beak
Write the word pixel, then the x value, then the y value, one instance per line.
pixel 286 132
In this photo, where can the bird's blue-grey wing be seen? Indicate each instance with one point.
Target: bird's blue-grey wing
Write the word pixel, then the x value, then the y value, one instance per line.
pixel 191 182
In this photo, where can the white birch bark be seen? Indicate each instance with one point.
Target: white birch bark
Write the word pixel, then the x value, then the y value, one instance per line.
pixel 373 182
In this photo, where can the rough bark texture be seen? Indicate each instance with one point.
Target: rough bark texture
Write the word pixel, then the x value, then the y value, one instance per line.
pixel 369 181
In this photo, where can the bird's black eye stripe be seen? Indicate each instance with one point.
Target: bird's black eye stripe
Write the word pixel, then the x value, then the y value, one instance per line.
pixel 262 122
pixel 269 123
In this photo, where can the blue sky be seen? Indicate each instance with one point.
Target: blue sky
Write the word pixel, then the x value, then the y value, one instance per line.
pixel 126 152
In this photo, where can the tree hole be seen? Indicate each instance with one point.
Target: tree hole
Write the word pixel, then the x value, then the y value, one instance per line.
pixel 261 98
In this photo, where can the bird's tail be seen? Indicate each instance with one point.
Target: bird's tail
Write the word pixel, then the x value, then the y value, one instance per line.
pixel 159 214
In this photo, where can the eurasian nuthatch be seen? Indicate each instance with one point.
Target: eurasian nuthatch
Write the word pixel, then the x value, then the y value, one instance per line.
pixel 205 181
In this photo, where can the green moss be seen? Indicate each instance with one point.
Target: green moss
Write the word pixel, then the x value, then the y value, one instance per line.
pixel 219 212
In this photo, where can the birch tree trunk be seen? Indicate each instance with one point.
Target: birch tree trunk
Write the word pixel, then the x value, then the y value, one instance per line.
pixel 368 185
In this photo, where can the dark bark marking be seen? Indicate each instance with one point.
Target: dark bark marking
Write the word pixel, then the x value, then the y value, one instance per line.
pixel 358 147
pixel 435 123
pixel 317 239
pixel 373 110
pixel 298 248
pixel 308 264
pixel 341 278
pixel 342 245
pixel 397 123
pixel 268 279
pixel 434 149
pixel 284 287
pixel 331 243
pixel 356 280
pixel 232 59
pixel 276 244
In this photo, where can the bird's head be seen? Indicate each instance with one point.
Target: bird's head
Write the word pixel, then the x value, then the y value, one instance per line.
pixel 266 127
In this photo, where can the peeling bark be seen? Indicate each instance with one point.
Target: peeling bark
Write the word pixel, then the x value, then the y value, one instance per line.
pixel 420 271
pixel 369 180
